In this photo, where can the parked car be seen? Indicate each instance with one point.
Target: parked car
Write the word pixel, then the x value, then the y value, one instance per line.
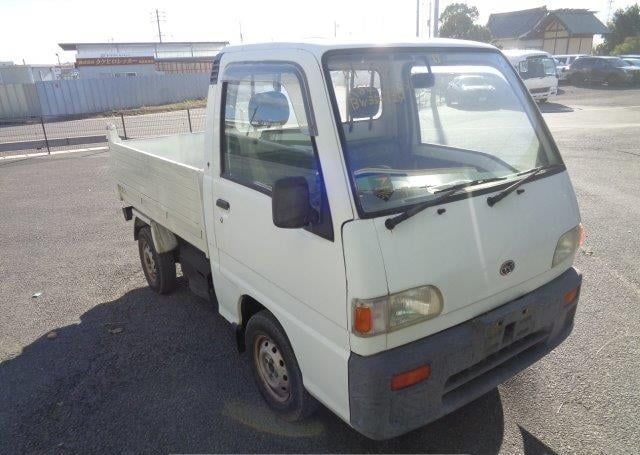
pixel 391 262
pixel 470 91
pixel 538 71
pixel 610 70
pixel 563 62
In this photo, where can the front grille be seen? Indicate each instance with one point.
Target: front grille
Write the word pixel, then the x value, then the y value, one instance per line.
pixel 473 376
pixel 539 90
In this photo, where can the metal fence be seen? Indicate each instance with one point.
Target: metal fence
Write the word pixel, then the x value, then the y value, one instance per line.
pixel 46 134
pixel 91 96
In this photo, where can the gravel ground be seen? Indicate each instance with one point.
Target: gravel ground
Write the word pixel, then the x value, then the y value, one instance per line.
pixel 98 363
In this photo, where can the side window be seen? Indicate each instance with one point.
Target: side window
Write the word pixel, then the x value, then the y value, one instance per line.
pixel 266 127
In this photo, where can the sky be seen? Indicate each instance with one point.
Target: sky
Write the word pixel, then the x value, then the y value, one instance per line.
pixel 31 29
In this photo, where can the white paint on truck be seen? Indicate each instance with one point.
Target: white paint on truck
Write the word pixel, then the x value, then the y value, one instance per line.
pixel 434 248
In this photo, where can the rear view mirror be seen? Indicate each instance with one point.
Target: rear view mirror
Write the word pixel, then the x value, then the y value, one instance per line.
pixel 290 204
pixel 364 102
pixel 423 80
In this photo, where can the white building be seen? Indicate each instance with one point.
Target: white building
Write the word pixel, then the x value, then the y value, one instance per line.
pixel 143 58
pixel 27 74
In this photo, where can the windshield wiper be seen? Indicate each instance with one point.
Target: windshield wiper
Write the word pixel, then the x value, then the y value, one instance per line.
pixel 493 200
pixel 445 193
pixel 470 183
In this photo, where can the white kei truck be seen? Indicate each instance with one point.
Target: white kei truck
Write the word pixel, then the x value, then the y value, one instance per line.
pixel 375 249
pixel 538 71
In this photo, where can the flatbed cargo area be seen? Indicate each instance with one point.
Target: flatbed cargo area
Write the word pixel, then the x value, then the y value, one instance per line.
pixel 162 178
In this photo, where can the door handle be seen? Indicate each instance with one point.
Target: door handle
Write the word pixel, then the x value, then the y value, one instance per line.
pixel 223 204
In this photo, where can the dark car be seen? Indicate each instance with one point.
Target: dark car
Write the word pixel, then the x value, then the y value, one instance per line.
pixel 471 91
pixel 609 70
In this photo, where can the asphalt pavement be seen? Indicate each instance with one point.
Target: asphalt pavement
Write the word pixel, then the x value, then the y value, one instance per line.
pixel 91 360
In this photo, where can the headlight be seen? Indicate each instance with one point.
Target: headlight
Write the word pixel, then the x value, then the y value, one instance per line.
pixel 391 312
pixel 568 244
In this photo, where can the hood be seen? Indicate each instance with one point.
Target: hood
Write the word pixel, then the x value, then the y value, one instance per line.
pixel 461 251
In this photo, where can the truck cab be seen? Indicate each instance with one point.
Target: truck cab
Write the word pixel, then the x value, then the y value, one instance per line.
pixel 379 250
pixel 538 71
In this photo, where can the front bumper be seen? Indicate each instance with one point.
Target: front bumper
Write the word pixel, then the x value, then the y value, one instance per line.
pixel 467 361
pixel 543 93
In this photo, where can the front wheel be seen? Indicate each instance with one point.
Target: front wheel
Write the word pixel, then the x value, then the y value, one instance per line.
pixel 158 268
pixel 275 368
pixel 614 80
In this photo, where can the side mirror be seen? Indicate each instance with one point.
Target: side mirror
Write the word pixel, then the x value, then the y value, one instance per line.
pixel 290 204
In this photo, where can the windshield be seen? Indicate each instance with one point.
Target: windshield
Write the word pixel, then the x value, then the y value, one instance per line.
pixel 416 122
pixel 534 67
pixel 619 63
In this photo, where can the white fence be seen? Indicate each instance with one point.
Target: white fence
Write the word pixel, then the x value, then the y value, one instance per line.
pixel 88 96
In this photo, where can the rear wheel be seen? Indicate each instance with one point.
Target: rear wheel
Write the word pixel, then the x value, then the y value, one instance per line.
pixel 577 79
pixel 159 268
pixel 275 368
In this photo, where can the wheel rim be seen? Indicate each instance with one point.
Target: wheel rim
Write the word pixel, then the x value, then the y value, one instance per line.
pixel 271 367
pixel 148 261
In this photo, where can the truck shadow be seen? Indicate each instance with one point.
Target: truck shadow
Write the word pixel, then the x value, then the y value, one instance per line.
pixel 144 373
pixel 551 107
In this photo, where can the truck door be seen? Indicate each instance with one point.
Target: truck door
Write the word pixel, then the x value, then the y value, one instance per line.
pixel 268 132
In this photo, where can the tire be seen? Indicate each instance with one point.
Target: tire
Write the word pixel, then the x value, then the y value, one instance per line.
pixel 614 80
pixel 577 79
pixel 159 268
pixel 275 368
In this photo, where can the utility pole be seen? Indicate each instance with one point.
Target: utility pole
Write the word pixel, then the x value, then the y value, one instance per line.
pixel 436 17
pixel 417 18
pixel 158 22
pixel 429 21
pixel 609 11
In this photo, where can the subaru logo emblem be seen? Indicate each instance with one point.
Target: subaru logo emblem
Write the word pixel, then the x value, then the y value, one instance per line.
pixel 507 267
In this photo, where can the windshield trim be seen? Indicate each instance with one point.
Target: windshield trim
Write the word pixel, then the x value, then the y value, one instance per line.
pixel 538 124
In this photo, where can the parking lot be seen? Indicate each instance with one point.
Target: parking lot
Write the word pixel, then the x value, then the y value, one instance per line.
pixel 92 360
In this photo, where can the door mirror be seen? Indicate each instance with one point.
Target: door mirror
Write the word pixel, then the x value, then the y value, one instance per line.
pixel 290 204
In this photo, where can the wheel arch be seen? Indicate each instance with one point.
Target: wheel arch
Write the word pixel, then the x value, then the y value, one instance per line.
pixel 247 307
pixel 137 225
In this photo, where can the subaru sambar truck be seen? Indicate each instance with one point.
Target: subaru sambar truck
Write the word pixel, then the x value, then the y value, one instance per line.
pixel 378 250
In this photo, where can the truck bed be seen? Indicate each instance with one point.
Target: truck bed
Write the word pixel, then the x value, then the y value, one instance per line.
pixel 162 179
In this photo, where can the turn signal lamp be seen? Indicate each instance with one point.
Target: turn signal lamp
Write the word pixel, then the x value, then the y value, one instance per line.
pixel 411 377
pixel 570 296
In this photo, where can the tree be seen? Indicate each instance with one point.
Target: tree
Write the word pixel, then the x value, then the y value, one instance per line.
pixel 624 24
pixel 630 45
pixel 458 21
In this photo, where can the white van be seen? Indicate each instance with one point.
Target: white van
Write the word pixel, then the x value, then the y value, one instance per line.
pixel 378 249
pixel 563 62
pixel 538 71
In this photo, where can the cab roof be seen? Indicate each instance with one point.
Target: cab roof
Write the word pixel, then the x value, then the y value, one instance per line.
pixel 524 52
pixel 319 46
